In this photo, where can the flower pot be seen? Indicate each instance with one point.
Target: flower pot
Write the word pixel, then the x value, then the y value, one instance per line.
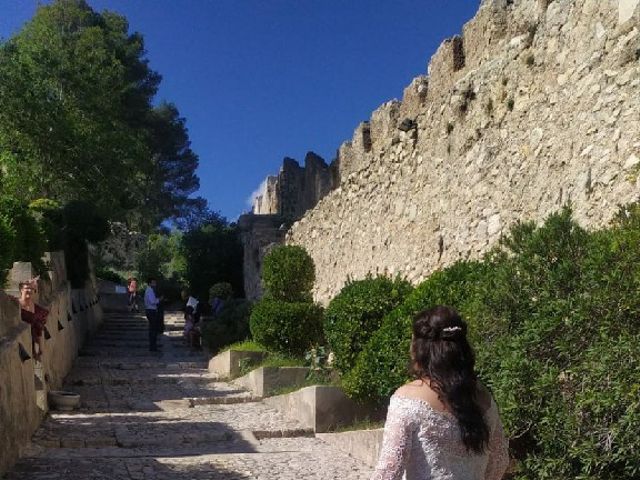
pixel 63 401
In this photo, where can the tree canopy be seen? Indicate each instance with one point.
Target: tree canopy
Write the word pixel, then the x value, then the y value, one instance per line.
pixel 77 119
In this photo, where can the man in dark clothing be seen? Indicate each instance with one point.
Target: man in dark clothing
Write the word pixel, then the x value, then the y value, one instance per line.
pixel 151 303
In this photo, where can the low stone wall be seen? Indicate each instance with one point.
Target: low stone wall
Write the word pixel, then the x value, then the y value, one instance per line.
pixel 363 445
pixel 228 364
pixel 322 408
pixel 264 381
pixel 24 383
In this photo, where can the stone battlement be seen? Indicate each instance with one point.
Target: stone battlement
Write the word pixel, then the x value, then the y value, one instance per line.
pixel 532 107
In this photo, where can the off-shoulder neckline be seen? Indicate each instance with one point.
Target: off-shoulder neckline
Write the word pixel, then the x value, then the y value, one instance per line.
pixel 444 413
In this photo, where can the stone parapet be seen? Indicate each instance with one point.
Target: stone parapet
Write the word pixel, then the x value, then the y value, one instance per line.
pixel 24 383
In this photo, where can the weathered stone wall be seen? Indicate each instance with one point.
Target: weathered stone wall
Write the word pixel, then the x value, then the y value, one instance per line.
pixel 73 314
pixel 258 233
pixel 536 105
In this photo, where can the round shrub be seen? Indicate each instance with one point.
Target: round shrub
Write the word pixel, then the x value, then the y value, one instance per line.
pixel 286 327
pixel 356 313
pixel 231 325
pixel 288 274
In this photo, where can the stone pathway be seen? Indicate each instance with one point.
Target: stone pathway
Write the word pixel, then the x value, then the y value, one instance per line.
pixel 162 416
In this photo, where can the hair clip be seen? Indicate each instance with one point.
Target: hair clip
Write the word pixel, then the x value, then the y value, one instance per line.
pixel 452 329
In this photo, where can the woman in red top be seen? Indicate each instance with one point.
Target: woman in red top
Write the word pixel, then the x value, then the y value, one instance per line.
pixel 33 314
pixel 133 292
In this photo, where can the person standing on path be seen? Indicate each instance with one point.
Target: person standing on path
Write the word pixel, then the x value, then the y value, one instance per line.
pixel 151 302
pixel 191 319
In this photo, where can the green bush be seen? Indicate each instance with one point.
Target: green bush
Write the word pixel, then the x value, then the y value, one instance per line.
pixel 382 365
pixel 81 220
pixel 221 290
pixel 110 275
pixel 230 326
pixel 82 224
pixel 288 274
pixel 357 312
pixel 286 327
pixel 48 213
pixel 553 315
pixel 7 247
pixel 30 242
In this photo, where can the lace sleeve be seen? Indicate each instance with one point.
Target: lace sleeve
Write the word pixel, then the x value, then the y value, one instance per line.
pixel 498 449
pixel 396 442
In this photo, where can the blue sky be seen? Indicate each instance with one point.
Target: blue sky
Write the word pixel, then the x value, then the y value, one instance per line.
pixel 258 80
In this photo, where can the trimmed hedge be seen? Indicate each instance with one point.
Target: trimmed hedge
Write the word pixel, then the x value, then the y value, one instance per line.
pixel 230 326
pixel 288 274
pixel 554 317
pixel 357 312
pixel 290 328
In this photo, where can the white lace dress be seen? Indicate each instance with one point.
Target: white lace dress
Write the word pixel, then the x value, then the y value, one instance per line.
pixel 426 444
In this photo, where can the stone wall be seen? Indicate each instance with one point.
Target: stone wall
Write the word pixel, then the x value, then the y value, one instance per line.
pixel 73 315
pixel 258 233
pixel 534 106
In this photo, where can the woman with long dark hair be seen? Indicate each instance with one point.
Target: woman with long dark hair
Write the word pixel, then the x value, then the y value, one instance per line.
pixel 444 424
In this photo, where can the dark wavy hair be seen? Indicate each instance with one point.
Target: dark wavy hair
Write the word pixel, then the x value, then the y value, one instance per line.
pixel 440 352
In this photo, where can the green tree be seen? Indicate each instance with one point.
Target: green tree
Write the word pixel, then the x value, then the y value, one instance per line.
pixel 173 176
pixel 74 97
pixel 213 253
pixel 77 121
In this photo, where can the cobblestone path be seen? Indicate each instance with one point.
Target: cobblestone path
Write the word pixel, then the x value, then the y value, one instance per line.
pixel 162 416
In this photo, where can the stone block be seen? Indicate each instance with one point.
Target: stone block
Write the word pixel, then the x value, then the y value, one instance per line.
pixel 363 445
pixel 9 315
pixel 322 407
pixel 20 272
pixel 228 364
pixel 264 381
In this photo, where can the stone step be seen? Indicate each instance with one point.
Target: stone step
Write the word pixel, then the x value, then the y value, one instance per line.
pixel 125 363
pixel 221 400
pixel 286 433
